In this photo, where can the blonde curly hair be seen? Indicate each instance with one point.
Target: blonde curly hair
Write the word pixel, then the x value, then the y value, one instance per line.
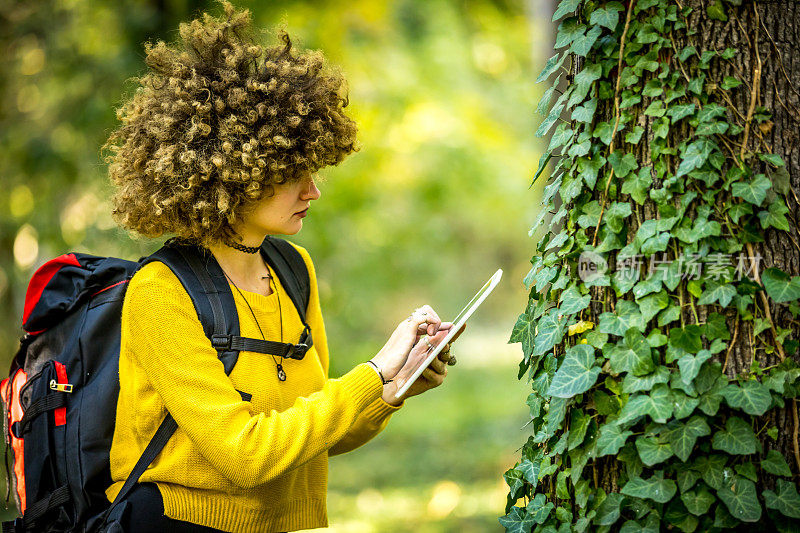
pixel 215 123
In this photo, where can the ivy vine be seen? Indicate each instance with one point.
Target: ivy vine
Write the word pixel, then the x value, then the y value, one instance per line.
pixel 644 281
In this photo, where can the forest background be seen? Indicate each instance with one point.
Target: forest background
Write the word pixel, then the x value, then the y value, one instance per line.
pixel 435 201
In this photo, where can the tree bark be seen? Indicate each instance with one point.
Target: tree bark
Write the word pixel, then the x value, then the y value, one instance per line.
pixel 766 35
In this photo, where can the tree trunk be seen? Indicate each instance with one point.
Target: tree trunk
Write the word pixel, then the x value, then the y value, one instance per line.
pixel 709 100
pixel 767 37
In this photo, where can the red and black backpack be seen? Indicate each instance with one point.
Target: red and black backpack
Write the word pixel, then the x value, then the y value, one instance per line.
pixel 61 394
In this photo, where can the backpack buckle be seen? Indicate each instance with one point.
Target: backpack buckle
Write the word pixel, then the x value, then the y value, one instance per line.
pixel 297 351
pixel 221 342
pixel 62 387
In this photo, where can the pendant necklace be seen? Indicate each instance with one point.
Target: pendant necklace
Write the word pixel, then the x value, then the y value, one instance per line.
pixel 281 372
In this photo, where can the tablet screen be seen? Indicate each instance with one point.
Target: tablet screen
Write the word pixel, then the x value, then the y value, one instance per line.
pixel 458 322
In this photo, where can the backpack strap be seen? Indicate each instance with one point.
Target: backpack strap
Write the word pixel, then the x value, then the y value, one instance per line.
pixel 293 273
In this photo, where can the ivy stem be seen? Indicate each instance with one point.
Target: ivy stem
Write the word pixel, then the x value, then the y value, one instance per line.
pixel 754 92
pixel 794 437
pixel 765 303
pixel 694 310
pixel 616 118
pixel 732 343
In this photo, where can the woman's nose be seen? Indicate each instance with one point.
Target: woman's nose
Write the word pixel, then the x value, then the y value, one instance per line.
pixel 312 192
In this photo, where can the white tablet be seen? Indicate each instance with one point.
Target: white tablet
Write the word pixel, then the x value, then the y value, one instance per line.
pixel 458 322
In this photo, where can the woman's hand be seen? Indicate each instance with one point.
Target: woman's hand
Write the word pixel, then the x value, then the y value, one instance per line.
pixel 431 377
pixel 395 352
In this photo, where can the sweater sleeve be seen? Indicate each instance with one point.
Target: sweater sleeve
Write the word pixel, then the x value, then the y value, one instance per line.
pixel 162 331
pixel 375 417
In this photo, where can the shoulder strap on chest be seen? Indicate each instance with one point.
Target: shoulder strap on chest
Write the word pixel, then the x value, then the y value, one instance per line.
pixel 291 270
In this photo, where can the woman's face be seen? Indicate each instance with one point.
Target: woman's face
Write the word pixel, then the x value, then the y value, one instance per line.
pixel 283 212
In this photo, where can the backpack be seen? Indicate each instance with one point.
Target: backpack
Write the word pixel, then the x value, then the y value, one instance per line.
pixel 61 394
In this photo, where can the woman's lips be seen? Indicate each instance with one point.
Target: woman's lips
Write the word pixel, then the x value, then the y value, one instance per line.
pixel 302 213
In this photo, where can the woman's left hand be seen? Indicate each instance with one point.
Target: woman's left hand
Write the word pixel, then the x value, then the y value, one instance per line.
pixel 431 377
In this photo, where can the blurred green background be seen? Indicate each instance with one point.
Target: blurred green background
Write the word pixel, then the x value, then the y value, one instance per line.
pixel 436 200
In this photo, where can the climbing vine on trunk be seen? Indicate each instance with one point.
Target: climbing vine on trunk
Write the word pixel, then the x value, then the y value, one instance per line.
pixel 660 343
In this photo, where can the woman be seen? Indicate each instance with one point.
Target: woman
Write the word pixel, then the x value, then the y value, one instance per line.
pixel 219 147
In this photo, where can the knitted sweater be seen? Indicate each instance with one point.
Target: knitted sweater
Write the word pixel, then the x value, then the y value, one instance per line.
pixel 235 465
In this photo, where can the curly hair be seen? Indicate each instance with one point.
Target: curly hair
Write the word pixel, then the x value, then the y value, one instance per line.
pixel 216 122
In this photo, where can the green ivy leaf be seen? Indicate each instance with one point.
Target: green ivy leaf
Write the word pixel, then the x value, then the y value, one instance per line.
pixel 652 450
pixel 524 332
pixel 552 65
pixel 625 317
pixel 589 168
pixel 695 155
pixel 583 43
pixel 607 15
pixel 583 83
pixel 530 470
pixel 651 305
pixel 682 436
pixel 633 383
pixel 658 404
pixel 740 498
pixel 753 191
pixel 698 502
pixel 717 292
pixel 656 488
pixel 737 438
pixel 549 332
pixel 779 287
pixel 616 214
pixel 566 6
pixel 632 354
pixel 776 464
pixel 786 501
pixel 775 216
pixel 578 424
pixel 678 112
pixel 712 469
pixel 622 164
pixel 577 372
pixel 690 365
pixel 716 11
pixel 547 96
pixel 538 509
pixel 608 512
pixel 751 396
pixel 517 521
pixel 590 215
pixel 610 439
pixel 686 478
pixel 585 113
pixel 638 184
pixel 571 301
pixel 687 338
pixel 657 243
pixel 569 30
pixel 729 82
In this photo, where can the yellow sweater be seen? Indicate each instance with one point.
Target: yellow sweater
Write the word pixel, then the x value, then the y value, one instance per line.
pixel 258 465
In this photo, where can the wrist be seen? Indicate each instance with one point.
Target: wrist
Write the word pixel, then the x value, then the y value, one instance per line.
pixel 388 396
pixel 378 369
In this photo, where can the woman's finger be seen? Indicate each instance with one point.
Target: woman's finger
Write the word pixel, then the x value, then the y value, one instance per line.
pixel 434 322
pixel 437 365
pixel 432 377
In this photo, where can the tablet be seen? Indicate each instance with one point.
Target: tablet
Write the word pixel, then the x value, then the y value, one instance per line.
pixel 458 322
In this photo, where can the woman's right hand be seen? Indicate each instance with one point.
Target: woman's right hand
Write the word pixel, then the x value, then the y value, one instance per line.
pixel 391 358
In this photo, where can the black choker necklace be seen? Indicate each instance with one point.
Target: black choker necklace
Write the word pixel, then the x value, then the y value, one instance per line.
pixel 242 247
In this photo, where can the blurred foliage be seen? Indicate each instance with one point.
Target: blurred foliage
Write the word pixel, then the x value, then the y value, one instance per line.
pixel 434 202
pixel 424 213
